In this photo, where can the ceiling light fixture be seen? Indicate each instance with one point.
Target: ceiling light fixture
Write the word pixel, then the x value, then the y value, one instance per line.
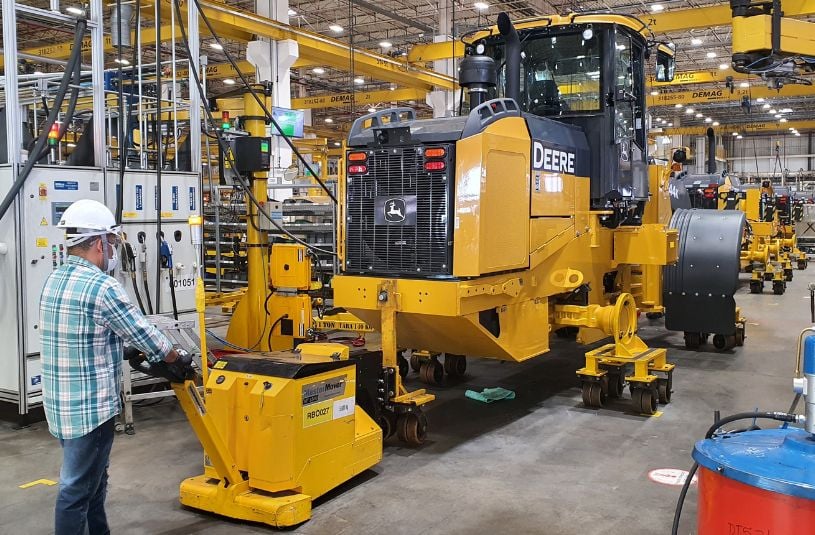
pixel 292 13
pixel 772 110
pixel 385 44
pixel 711 54
pixel 708 120
pixel 677 106
pixel 121 61
pixel 698 115
pixel 744 84
pixel 654 93
pixel 760 100
pixel 766 107
pixel 724 67
pixel 481 6
pixel 216 46
pixel 715 123
pixel 656 8
pixel 696 41
pixel 359 81
pixel 73 10
pixel 739 136
pixel 782 120
pixel 318 70
pixel 371 110
pixel 670 124
pixel 786 110
pixel 329 120
pixel 229 81
pixel 735 134
pixel 336 28
pixel 688 110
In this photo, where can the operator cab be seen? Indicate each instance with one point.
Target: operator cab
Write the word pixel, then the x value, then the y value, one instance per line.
pixel 590 75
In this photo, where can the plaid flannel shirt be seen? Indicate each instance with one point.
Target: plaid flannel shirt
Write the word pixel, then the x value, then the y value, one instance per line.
pixel 85 316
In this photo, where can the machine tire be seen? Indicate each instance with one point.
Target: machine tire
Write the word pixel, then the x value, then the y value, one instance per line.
pixel 802 264
pixel 455 365
pixel 415 363
pixel 756 287
pixel 693 340
pixel 593 395
pixel 788 275
pixel 404 366
pixel 779 287
pixel 654 315
pixel 411 427
pixel 432 372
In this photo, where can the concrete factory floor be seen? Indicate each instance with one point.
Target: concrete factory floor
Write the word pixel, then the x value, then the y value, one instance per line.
pixel 541 463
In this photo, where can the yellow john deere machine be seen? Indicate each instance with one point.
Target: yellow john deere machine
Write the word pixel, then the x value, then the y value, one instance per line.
pixel 536 212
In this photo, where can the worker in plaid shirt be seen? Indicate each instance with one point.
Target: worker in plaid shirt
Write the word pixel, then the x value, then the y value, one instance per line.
pixel 85 316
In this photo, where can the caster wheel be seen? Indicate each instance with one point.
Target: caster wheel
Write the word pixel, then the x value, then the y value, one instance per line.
pixel 740 336
pixel 802 264
pixel 415 363
pixel 748 269
pixel 724 342
pixel 654 315
pixel 693 340
pixel 616 384
pixel 644 400
pixel 129 430
pixel 432 372
pixel 664 387
pixel 404 367
pixel 703 337
pixel 455 365
pixel 387 421
pixel 788 275
pixel 593 395
pixel 779 287
pixel 756 287
pixel 411 428
pixel 768 276
pixel 118 427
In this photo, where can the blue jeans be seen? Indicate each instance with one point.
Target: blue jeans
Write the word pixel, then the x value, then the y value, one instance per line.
pixel 83 482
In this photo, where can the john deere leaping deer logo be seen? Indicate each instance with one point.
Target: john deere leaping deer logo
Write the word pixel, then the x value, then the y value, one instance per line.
pixel 395 210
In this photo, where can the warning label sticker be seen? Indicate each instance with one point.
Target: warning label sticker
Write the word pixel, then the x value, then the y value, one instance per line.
pixel 670 476
pixel 325 411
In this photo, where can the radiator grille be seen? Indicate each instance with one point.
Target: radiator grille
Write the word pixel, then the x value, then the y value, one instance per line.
pixel 423 249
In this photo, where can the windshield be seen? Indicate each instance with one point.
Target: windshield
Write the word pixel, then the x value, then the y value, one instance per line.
pixel 560 74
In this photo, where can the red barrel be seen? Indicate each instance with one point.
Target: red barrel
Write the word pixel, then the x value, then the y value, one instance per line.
pixel 757 483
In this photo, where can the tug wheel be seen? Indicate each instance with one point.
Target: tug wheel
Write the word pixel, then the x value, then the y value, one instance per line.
pixel 593 395
pixel 779 287
pixel 432 372
pixel 802 264
pixel 788 275
pixel 411 427
pixel 415 362
pixel 756 287
pixel 644 400
pixel 455 365
pixel 387 421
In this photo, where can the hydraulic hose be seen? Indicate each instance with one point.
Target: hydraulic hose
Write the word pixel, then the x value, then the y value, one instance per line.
pixel 778 416
pixel 159 159
pixel 167 263
pixel 52 116
pixel 144 276
pixel 129 257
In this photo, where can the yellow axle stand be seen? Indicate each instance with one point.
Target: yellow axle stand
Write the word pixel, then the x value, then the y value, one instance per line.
pixel 604 373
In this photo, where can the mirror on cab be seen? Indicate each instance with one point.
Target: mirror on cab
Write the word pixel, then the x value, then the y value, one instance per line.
pixel 666 64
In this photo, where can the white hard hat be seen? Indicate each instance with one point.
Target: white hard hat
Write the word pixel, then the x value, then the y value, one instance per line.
pixel 86 218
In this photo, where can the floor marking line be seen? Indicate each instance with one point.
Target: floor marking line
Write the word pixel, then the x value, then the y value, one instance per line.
pixel 46 482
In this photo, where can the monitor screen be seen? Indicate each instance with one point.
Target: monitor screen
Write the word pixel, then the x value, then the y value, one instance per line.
pixel 290 122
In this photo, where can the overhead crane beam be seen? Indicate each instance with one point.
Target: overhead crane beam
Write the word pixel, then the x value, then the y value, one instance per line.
pixel 361 98
pixel 666 21
pixel 753 128
pixel 319 48
pixel 216 71
pixel 719 95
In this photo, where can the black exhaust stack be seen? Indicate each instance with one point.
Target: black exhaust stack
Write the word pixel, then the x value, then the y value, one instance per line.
pixel 513 55
pixel 711 152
